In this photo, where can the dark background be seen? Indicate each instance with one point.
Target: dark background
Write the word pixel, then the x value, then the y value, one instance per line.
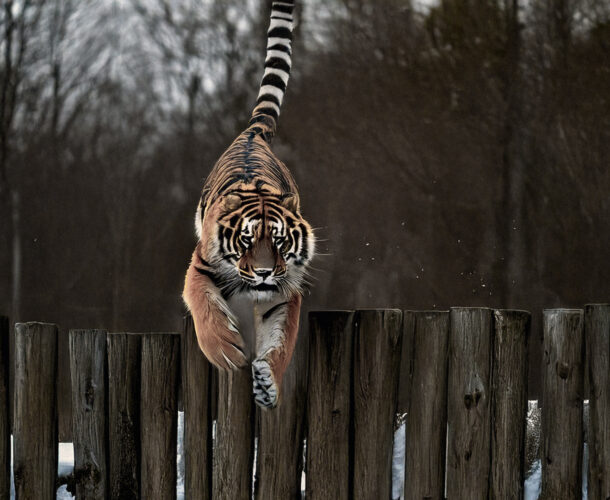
pixel 451 153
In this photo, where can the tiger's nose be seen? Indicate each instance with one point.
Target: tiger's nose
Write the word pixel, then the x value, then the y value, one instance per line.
pixel 263 272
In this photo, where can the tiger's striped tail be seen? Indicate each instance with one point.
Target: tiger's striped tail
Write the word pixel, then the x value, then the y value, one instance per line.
pixel 277 68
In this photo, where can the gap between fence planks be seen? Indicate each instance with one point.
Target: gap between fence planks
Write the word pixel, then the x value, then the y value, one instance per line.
pixel 88 371
pixel 35 411
pixel 5 423
pixel 197 393
pixel 562 419
pixel 597 338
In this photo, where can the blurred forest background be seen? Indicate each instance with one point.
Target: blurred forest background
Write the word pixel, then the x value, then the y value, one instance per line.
pixel 451 153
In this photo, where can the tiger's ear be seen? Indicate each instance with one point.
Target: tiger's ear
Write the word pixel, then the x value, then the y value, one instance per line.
pixel 290 201
pixel 232 202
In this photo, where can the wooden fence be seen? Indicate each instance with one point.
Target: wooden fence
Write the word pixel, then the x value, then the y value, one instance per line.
pixel 460 376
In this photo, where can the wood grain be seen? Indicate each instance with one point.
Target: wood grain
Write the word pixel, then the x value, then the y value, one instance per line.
pixel 124 352
pixel 89 415
pixel 197 393
pixel 234 448
pixel 279 464
pixel 597 338
pixel 35 411
pixel 468 404
pixel 331 335
pixel 376 372
pixel 562 407
pixel 159 414
pixel 427 413
pixel 5 423
pixel 509 403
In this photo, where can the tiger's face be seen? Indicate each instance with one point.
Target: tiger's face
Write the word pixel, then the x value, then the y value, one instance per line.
pixel 262 243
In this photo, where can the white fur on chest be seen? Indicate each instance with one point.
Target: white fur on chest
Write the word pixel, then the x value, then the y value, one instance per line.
pixel 258 335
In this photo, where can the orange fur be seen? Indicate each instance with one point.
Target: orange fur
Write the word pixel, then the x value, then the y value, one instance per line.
pixel 221 345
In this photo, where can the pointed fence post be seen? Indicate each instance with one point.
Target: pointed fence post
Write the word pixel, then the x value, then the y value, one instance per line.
pixel 35 411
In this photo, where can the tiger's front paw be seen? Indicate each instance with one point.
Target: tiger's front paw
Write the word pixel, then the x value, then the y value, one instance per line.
pixel 266 391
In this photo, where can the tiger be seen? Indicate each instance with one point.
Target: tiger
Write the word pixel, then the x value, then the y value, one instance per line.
pixel 248 272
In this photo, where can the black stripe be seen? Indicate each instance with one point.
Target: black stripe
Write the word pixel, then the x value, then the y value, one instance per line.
pixel 272 310
pixel 304 249
pixel 209 274
pixel 278 63
pixel 282 16
pixel 286 9
pixel 264 111
pixel 279 32
pixel 220 238
pixel 204 262
pixel 227 184
pixel 268 98
pixel 251 213
pixel 275 80
pixel 280 47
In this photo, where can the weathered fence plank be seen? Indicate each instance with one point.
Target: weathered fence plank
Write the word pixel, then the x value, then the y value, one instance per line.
pixel 404 384
pixel 562 419
pixel 124 415
pixel 279 463
pixel 468 403
pixel 234 448
pixel 5 424
pixel 376 370
pixel 597 334
pixel 427 412
pixel 35 411
pixel 196 390
pixel 331 335
pixel 509 403
pixel 159 414
pixel 89 424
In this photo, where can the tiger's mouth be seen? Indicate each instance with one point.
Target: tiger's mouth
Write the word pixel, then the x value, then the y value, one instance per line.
pixel 264 287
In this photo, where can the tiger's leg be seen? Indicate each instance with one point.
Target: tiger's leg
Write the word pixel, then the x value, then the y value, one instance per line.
pixel 276 336
pixel 215 325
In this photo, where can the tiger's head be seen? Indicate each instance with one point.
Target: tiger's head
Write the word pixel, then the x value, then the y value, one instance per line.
pixel 260 242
